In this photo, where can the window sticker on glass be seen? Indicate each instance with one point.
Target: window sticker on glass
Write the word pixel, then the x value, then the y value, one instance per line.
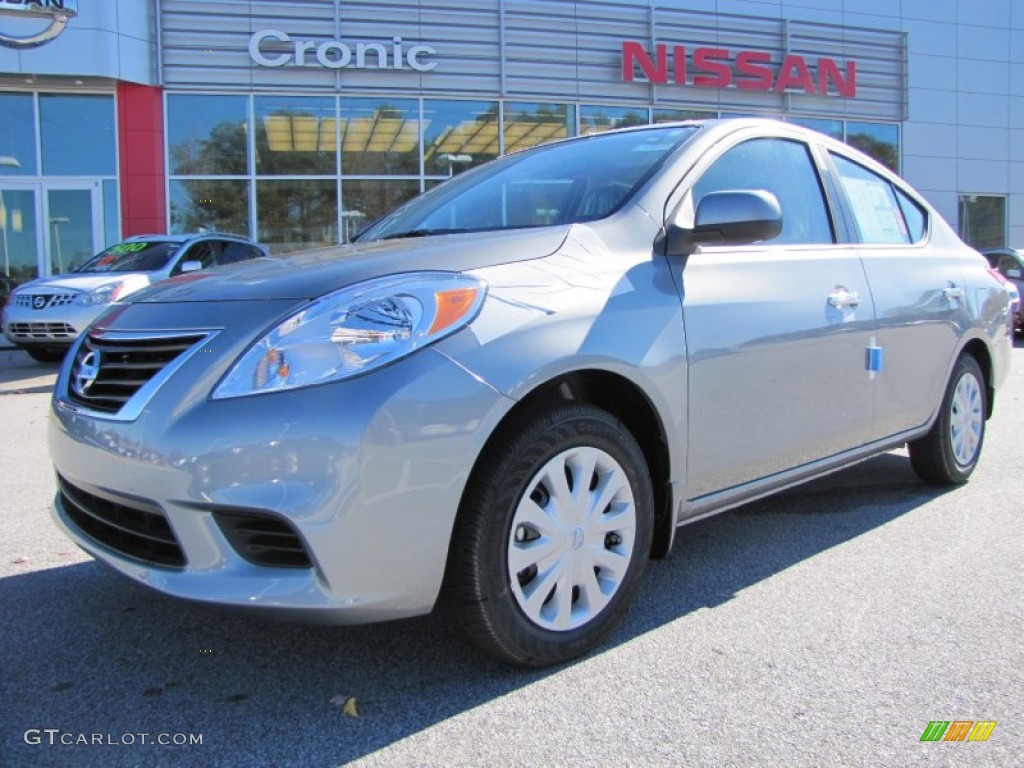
pixel 128 248
pixel 877 219
pixel 878 215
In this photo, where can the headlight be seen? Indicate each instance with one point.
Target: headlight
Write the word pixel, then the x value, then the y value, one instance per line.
pixel 105 294
pixel 355 330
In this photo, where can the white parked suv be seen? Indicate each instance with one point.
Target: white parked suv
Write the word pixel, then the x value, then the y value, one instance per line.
pixel 46 315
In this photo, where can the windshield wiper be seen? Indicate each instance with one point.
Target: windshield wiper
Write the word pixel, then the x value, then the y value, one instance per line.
pixel 420 233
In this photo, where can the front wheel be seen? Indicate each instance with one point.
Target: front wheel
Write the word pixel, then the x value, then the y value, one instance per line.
pixel 948 454
pixel 552 536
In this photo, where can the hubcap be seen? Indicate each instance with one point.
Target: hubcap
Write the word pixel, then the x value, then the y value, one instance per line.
pixel 966 419
pixel 571 539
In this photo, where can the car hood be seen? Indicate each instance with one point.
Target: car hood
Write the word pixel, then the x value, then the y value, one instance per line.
pixel 83 282
pixel 314 273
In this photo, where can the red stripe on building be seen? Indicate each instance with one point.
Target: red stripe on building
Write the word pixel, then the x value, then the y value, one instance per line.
pixel 140 115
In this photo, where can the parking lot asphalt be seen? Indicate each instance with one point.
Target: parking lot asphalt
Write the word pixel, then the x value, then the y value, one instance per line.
pixel 827 625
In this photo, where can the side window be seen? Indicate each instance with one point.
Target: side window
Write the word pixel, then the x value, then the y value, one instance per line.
pixel 916 218
pixel 883 214
pixel 234 252
pixel 1006 263
pixel 785 169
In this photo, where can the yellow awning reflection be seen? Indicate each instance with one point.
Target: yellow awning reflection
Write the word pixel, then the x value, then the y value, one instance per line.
pixel 379 134
pixel 309 133
pixel 479 138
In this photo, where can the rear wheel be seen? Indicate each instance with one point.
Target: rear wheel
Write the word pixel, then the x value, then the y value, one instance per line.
pixel 46 354
pixel 552 537
pixel 948 454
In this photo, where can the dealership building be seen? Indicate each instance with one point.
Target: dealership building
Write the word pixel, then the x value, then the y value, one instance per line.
pixel 297 122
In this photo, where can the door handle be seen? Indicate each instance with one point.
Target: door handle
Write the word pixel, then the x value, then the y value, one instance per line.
pixel 843 298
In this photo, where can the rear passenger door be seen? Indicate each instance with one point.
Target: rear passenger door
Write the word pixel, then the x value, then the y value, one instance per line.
pixel 776 332
pixel 918 293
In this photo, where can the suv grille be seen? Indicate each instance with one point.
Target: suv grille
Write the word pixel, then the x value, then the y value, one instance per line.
pixel 108 371
pixel 43 300
pixel 134 528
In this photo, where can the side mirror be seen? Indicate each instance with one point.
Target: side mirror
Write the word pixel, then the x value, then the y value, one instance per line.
pixel 191 266
pixel 732 217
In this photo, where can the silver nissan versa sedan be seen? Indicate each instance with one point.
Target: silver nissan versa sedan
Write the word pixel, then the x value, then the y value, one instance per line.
pixel 503 400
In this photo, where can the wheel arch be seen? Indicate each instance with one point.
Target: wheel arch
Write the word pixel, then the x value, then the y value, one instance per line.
pixel 979 350
pixel 627 402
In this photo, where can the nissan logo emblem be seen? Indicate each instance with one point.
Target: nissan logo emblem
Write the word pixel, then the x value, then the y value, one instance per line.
pixel 39 301
pixel 86 372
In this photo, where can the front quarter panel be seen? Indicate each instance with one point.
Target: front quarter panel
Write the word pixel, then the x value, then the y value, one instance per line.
pixel 602 302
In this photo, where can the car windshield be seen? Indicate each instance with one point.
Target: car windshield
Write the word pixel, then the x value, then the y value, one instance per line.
pixel 136 256
pixel 563 183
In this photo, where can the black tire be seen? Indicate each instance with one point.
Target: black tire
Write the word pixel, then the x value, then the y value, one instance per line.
pixel 479 597
pixel 948 454
pixel 46 354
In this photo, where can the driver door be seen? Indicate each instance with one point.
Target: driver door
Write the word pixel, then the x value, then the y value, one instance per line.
pixel 776 332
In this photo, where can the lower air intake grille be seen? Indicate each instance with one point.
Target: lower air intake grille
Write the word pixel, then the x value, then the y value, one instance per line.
pixel 41 331
pixel 108 371
pixel 133 528
pixel 263 540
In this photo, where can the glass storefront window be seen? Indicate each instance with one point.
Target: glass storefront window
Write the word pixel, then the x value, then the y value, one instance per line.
pixel 983 220
pixel 594 119
pixel 220 204
pixel 297 214
pixel 363 202
pixel 17 135
pixel 71 233
pixel 675 115
pixel 77 134
pixel 458 135
pixel 879 140
pixel 295 136
pixel 111 213
pixel 833 128
pixel 18 236
pixel 530 124
pixel 380 137
pixel 207 135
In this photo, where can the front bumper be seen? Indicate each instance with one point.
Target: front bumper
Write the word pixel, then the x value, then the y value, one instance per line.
pixel 368 473
pixel 58 325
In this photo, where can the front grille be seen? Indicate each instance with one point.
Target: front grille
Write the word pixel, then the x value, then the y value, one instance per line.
pixel 41 332
pixel 108 371
pixel 43 300
pixel 262 539
pixel 134 528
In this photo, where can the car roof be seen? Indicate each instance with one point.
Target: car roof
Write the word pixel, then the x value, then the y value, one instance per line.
pixel 182 237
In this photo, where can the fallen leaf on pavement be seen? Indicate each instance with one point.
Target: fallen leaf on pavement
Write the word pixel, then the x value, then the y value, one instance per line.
pixel 347 704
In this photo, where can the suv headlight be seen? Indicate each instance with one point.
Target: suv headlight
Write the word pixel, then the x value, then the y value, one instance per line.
pixel 105 294
pixel 355 330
